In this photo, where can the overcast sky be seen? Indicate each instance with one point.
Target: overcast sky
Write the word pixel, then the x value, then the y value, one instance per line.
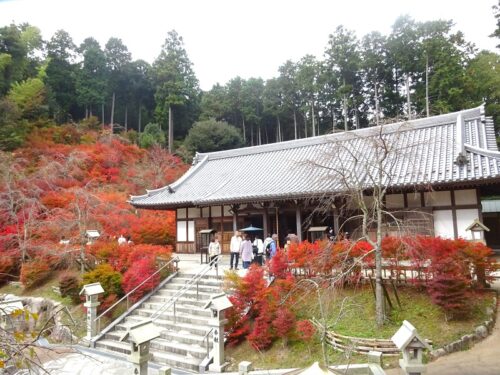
pixel 226 38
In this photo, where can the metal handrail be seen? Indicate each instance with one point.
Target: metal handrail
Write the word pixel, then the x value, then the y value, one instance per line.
pixel 195 279
pixel 126 296
pixel 208 344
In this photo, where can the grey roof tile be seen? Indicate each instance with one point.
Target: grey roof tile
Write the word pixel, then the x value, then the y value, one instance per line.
pixel 428 151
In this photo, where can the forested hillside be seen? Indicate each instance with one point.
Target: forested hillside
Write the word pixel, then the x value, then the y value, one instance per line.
pixel 419 69
pixel 68 180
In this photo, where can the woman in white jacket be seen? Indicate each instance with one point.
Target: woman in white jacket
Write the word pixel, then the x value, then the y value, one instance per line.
pixel 214 249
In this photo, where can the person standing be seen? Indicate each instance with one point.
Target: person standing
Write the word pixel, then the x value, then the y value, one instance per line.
pixel 273 246
pixel 246 252
pixel 260 249
pixel 234 247
pixel 214 250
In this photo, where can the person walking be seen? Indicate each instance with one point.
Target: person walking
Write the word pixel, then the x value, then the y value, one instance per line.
pixel 260 250
pixel 234 248
pixel 246 252
pixel 214 250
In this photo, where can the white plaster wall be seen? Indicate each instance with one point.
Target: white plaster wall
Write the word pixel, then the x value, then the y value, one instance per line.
pixel 413 200
pixel 468 196
pixel 205 211
pixel 464 219
pixel 193 212
pixel 181 213
pixel 227 211
pixel 216 211
pixel 437 198
pixel 443 224
pixel 395 201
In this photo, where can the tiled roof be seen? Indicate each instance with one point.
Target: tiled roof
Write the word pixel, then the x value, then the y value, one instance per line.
pixel 452 148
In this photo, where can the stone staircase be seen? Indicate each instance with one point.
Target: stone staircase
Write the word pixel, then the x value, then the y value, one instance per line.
pixel 183 342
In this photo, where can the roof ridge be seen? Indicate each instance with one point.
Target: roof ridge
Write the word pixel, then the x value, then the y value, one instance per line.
pixel 444 119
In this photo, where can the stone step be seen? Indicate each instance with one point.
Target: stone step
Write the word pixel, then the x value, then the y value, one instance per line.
pixel 194 329
pixel 169 315
pixel 114 346
pixel 176 360
pixel 183 301
pixel 210 276
pixel 179 307
pixel 186 361
pixel 202 281
pixel 192 350
pixel 190 294
pixel 201 288
pixel 186 337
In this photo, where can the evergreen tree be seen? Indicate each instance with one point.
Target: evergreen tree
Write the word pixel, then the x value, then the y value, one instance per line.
pixel 176 84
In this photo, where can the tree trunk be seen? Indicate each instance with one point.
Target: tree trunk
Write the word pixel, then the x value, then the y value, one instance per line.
pixel 427 85
pixel 90 111
pixel 259 140
pixel 244 132
pixel 86 112
pixel 126 118
pixel 333 119
pixel 278 123
pixel 102 114
pixel 408 102
pixel 345 114
pixel 295 123
pixel 377 118
pixel 112 120
pixel 139 119
pixel 170 129
pixel 313 120
pixel 305 125
pixel 379 294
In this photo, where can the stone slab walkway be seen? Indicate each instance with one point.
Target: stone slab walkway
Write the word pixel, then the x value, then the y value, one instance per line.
pixel 482 359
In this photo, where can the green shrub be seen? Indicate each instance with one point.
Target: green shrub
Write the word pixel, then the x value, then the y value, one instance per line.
pixel 69 285
pixel 110 279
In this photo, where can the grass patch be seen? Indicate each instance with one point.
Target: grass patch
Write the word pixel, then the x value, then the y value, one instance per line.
pixel 44 290
pixel 358 319
pixel 296 355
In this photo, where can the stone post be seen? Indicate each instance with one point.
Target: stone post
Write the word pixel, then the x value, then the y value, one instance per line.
pixel 218 304
pixel 91 292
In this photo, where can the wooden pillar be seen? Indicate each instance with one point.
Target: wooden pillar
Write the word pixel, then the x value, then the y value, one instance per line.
pixel 336 224
pixel 235 221
pixel 454 214
pixel 265 222
pixel 298 221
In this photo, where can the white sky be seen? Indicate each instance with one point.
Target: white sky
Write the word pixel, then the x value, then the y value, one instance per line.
pixel 226 38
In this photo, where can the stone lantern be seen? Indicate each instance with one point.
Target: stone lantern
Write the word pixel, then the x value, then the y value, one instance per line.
pixel 217 305
pixel 91 292
pixel 477 230
pixel 139 336
pixel 412 346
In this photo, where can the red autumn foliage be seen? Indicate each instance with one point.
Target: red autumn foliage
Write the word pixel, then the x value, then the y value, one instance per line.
pixel 136 274
pixel 8 267
pixel 284 323
pixel 305 330
pixel 34 273
pixel 67 180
